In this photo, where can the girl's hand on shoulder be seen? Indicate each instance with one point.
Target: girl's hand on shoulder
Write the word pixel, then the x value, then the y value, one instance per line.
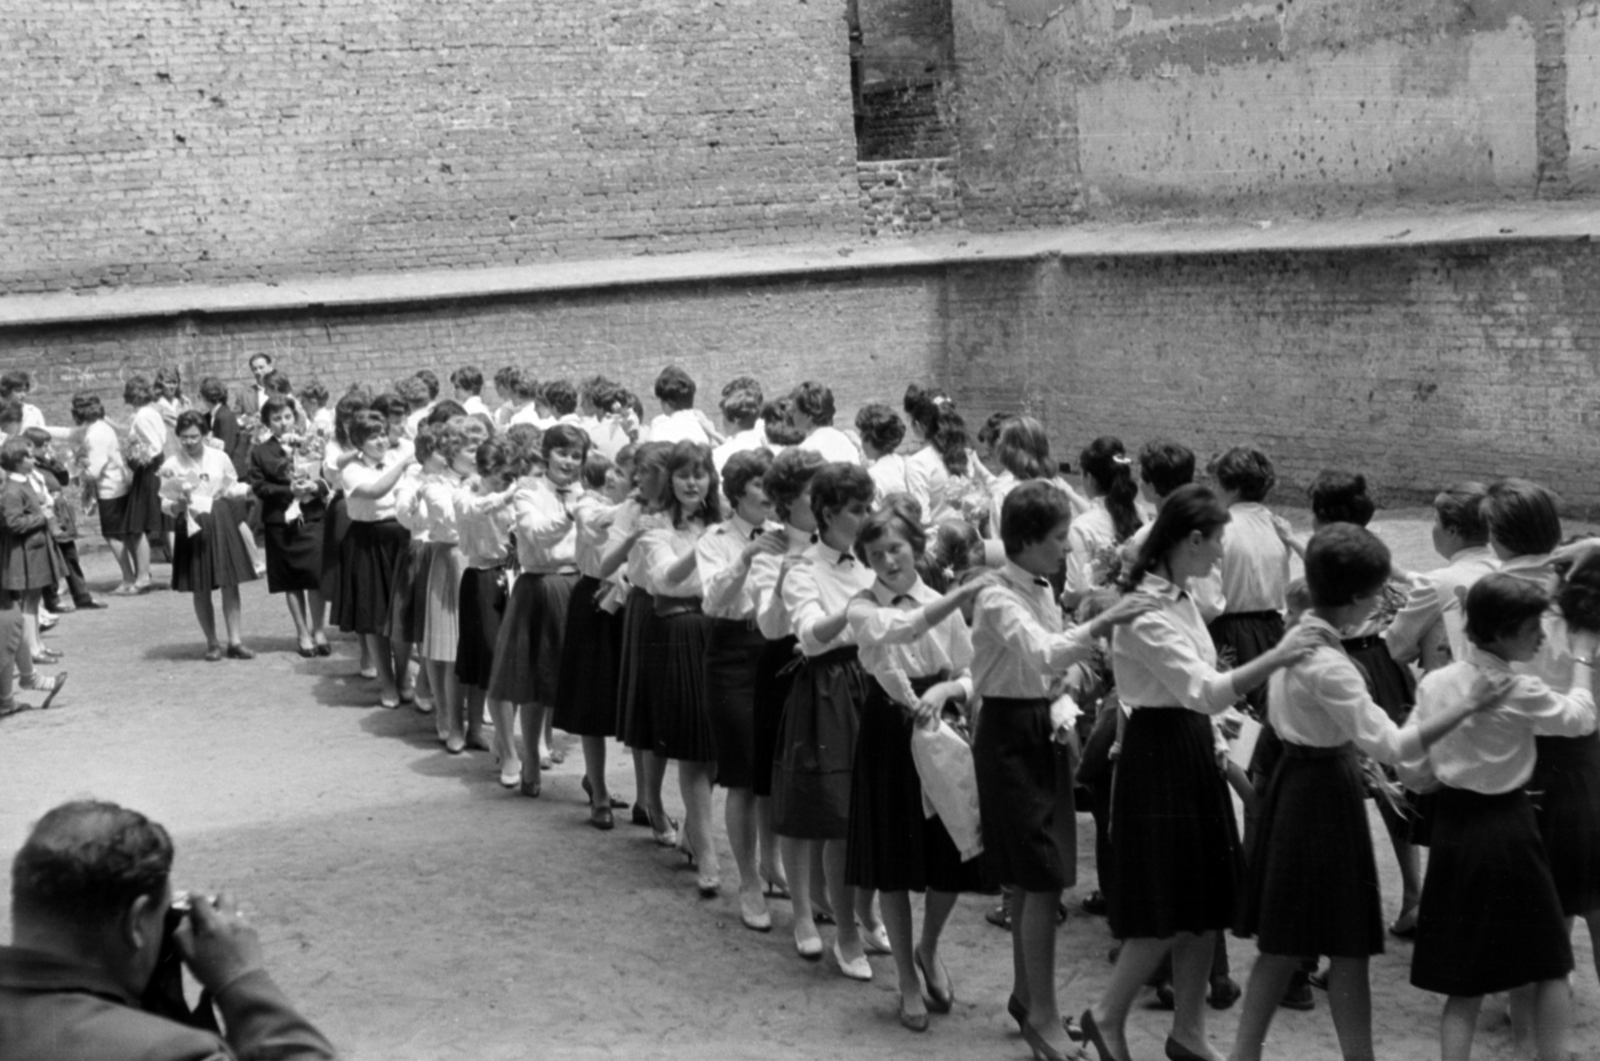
pixel 1126 610
pixel 1304 639
pixel 1490 690
pixel 770 543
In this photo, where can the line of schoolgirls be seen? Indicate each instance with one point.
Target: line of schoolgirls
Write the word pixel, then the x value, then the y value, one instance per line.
pixel 771 625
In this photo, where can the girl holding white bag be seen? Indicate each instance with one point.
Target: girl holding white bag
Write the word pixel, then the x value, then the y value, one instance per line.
pixel 916 647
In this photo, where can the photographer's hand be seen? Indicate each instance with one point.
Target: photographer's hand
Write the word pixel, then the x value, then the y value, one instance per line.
pixel 217 943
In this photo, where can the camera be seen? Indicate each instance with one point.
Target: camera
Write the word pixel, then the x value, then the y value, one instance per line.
pixel 164 994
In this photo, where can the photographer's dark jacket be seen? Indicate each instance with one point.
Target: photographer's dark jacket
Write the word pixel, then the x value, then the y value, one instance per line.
pixel 55 1010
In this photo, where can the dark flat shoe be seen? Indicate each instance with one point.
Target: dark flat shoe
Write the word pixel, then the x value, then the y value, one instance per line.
pixel 213 654
pixel 601 818
pixel 616 804
pixel 240 652
pixel 1224 993
pixel 913 1022
pixel 323 649
pixel 640 815
pixel 307 653
pixel 937 1002
pixel 1176 1051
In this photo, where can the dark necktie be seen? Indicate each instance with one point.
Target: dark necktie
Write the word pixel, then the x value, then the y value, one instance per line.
pixel 756 533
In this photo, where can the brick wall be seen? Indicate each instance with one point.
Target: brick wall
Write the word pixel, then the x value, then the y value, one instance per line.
pixel 864 337
pixel 912 195
pixel 1415 367
pixel 163 141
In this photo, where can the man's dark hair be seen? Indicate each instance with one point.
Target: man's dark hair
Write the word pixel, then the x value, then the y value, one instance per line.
pixel 85 861
pixel 214 390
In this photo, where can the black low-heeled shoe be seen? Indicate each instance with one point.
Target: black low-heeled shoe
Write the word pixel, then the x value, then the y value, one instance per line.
pixel 1018 1012
pixel 1092 1037
pixel 322 649
pixel 937 1003
pixel 1176 1051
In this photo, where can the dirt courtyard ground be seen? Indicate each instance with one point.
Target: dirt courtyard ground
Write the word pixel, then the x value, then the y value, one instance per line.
pixel 415 909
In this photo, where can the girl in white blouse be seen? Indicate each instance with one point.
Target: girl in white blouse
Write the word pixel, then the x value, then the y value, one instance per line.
pixel 1174 838
pixel 207 554
pixel 917 650
pixel 373 544
pixel 674 661
pixel 437 446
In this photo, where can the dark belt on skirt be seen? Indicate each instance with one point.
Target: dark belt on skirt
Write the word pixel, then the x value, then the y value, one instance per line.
pixel 1268 614
pixel 1307 751
pixel 922 685
pixel 845 654
pixel 667 607
pixel 1361 644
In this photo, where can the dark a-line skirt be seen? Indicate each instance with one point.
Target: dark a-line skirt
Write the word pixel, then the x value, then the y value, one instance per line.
pixel 816 747
pixel 1024 801
pixel 633 694
pixel 1566 796
pixel 1312 882
pixel 483 605
pixel 1242 636
pixel 893 845
pixel 1490 918
pixel 733 658
pixel 214 558
pixel 674 666
pixel 408 609
pixel 335 525
pixel 113 516
pixel 294 555
pixel 1174 840
pixel 775 672
pixel 142 513
pixel 1392 686
pixel 586 695
pixel 369 555
pixel 527 654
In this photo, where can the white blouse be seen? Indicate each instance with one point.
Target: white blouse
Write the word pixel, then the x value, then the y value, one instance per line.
pixel 726 594
pixel 360 472
pixel 594 514
pixel 1165 658
pixel 664 547
pixel 1019 637
pixel 484 524
pixel 546 533
pixel 772 618
pixel 1322 702
pixel 819 586
pixel 897 644
pixel 1255 562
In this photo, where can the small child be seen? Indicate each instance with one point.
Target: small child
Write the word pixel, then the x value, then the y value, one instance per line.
pixel 1486 846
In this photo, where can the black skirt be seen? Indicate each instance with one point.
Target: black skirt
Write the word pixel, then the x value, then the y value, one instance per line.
pixel 113 516
pixel 482 607
pixel 633 700
pixel 1392 686
pixel 294 555
pixel 527 652
pixel 335 526
pixel 1566 797
pixel 894 846
pixel 674 666
pixel 142 512
pixel 368 557
pixel 733 657
pixel 1242 636
pixel 408 609
pixel 774 675
pixel 1173 836
pixel 213 559
pixel 816 747
pixel 1490 919
pixel 1312 881
pixel 1024 803
pixel 586 694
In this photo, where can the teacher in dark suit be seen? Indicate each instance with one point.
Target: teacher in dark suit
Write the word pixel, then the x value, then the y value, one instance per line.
pixel 292 507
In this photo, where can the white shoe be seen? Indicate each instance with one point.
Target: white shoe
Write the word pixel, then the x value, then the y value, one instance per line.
pixel 511 773
pixel 857 969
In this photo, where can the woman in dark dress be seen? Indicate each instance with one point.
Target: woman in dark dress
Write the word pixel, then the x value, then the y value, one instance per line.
pixel 293 503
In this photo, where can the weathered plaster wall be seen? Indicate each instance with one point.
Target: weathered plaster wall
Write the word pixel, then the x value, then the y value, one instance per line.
pixel 1122 108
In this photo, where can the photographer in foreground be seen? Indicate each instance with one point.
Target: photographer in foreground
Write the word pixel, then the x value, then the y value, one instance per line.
pixel 90 899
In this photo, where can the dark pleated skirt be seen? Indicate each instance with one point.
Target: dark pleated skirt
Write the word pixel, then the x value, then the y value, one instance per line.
pixel 1242 636
pixel 335 525
pixel 816 747
pixel 294 555
pixel 369 555
pixel 1392 686
pixel 674 666
pixel 408 609
pixel 1029 832
pixel 1566 794
pixel 586 695
pixel 1312 882
pixel 113 516
pixel 142 513
pixel 733 657
pixel 1490 918
pixel 893 845
pixel 1173 835
pixel 527 654
pixel 482 606
pixel 774 674
pixel 215 557
pixel 633 700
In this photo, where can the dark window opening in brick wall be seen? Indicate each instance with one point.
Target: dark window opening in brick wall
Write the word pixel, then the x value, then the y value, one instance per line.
pixel 901 76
